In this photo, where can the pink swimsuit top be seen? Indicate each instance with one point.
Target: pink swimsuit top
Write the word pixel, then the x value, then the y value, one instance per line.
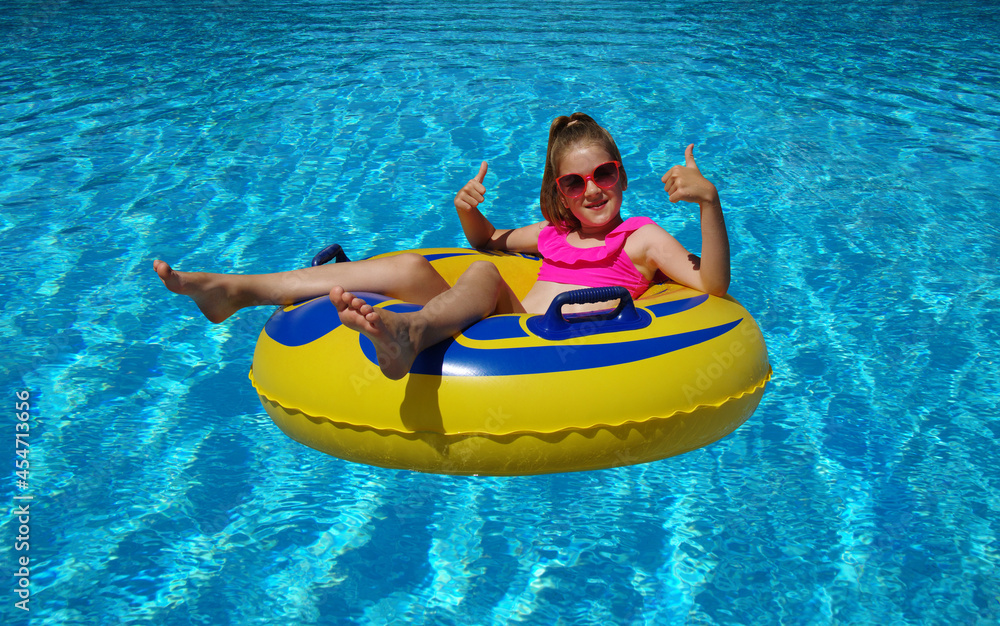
pixel 603 266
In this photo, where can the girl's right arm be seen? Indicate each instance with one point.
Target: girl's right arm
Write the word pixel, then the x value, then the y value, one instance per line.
pixel 480 232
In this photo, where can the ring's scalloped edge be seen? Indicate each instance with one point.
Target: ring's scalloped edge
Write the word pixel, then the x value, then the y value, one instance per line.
pixel 386 432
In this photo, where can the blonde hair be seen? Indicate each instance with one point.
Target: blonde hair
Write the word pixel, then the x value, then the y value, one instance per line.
pixel 566 133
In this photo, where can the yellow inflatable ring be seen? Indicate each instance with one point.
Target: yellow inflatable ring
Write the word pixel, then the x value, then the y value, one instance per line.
pixel 518 394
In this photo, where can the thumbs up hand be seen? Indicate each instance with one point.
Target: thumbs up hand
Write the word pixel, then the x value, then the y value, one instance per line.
pixel 685 182
pixel 474 192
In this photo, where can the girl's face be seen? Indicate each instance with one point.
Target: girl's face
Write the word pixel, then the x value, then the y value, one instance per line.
pixel 596 208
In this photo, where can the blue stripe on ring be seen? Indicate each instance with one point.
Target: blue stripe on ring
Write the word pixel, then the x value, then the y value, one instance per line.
pixel 676 306
pixel 310 321
pixel 450 358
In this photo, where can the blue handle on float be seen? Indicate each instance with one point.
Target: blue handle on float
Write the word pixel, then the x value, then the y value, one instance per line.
pixel 554 325
pixel 330 252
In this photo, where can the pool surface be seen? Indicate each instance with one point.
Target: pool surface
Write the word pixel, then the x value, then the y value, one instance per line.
pixel 857 151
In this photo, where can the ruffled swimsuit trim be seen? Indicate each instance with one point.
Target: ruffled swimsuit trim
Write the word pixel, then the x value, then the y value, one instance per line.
pixel 602 266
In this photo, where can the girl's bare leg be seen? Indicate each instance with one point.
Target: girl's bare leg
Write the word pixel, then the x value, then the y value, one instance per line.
pixel 407 277
pixel 400 337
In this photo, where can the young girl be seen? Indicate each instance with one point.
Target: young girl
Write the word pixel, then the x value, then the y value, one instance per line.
pixel 583 240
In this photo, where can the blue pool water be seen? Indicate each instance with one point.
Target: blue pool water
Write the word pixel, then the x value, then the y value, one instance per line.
pixel 856 148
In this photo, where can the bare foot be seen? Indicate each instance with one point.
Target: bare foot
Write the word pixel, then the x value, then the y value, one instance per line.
pixel 390 332
pixel 207 290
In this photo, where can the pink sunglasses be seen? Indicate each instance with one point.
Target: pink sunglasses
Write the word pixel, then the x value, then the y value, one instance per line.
pixel 604 176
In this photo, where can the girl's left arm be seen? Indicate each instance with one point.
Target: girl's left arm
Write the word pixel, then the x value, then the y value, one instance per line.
pixel 685 182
